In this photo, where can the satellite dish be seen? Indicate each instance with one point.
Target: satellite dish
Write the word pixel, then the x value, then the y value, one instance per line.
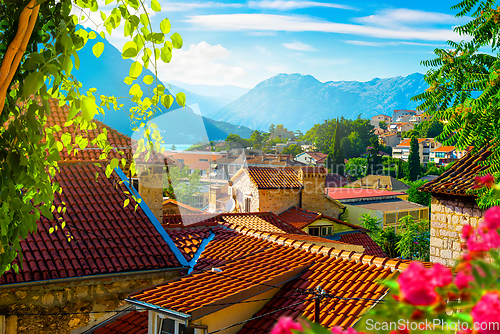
pixel 230 205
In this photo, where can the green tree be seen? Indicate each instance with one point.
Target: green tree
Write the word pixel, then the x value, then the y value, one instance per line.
pixel 463 85
pixel 256 139
pixel 386 238
pixel 271 128
pixel 355 168
pixel 173 148
pixel 374 160
pixel 382 125
pixel 417 196
pixel 352 145
pixel 40 40
pixel 180 185
pixel 415 239
pixel 401 170
pixel 336 156
pixel 233 141
pixel 413 160
pixel 293 149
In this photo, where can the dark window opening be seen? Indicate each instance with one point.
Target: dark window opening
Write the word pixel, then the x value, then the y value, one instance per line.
pixel 167 326
pixel 247 204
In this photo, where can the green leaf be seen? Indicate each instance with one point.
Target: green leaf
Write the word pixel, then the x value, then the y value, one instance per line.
pixel 103 17
pixel 67 65
pixel 89 108
pixel 129 50
pixel 166 54
pixel 134 90
pixel 148 79
pixel 176 40
pixel 97 49
pixel 128 80
pixel 92 35
pixel 103 35
pixel 167 100
pixel 145 20
pixel 114 163
pixel 32 83
pixel 125 203
pixel 181 99
pixel 155 5
pixel 135 70
pixel 165 26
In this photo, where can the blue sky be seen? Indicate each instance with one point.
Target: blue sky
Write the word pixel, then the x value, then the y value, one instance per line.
pixel 244 42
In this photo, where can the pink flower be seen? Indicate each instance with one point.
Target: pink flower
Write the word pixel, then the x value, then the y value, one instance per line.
pixel 486 313
pixel 487 180
pixel 492 217
pixel 339 330
pixel 285 325
pixel 462 280
pixel 467 231
pixel 483 239
pixel 418 284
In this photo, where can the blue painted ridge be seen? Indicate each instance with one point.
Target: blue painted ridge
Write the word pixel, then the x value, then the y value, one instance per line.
pixel 200 250
pixel 158 308
pixel 338 235
pixel 154 221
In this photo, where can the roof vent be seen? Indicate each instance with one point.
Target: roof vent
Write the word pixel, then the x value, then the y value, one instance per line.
pixel 216 270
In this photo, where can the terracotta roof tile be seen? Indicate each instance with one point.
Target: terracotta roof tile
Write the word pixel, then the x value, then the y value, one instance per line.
pixel 459 178
pixel 363 239
pixel 188 240
pixel 274 177
pixel 133 322
pixel 122 240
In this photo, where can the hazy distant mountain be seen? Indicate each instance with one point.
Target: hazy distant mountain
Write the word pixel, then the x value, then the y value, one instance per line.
pixel 227 93
pixel 184 126
pixel 299 101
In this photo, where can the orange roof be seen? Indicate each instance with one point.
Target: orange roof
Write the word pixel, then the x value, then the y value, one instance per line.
pixel 244 269
pixel 201 165
pixel 407 141
pixel 351 193
pixel 173 201
pixel 444 149
pixel 133 322
pixel 274 177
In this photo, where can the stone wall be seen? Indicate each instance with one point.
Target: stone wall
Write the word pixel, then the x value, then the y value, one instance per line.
pixel 313 194
pixel 151 189
pixel 448 216
pixel 98 295
pixel 242 184
pixel 278 200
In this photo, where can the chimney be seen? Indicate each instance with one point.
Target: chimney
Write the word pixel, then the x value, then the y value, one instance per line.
pixel 151 188
pixel 215 192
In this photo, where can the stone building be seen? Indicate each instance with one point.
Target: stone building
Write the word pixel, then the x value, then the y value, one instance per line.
pixel 77 276
pixel 268 189
pixel 453 206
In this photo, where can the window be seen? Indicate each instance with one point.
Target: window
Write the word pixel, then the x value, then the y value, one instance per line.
pixel 314 231
pixel 247 204
pixel 326 230
pixel 167 326
pixel 171 326
pixel 204 160
pixel 135 184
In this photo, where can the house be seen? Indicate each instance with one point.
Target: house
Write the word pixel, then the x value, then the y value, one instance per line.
pixel 81 264
pixel 401 127
pixel 280 133
pixel 417 119
pixel 190 157
pixel 380 182
pixel 453 206
pixel 390 139
pixel 445 154
pixel 173 207
pixel 315 223
pixel 404 118
pixel 375 120
pixel 425 147
pixel 202 166
pixel 385 205
pixel 335 180
pixel 276 189
pixel 403 112
pixel 249 300
pixel 311 158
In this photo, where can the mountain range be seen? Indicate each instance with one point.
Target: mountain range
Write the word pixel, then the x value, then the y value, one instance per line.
pixel 178 125
pixel 299 101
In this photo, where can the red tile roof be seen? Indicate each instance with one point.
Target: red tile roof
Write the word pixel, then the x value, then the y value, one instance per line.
pixel 123 143
pixel 407 142
pixel 444 149
pixel 274 177
pixel 133 322
pixel 459 178
pixel 104 236
pixel 188 240
pixel 317 155
pixel 201 165
pixel 299 217
pixel 261 221
pixel 363 239
pixel 243 260
pixel 351 193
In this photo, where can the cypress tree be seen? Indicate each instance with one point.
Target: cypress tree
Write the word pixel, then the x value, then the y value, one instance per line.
pixel 336 155
pixel 374 160
pixel 414 160
pixel 400 171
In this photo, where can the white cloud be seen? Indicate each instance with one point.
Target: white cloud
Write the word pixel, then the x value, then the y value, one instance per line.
pixel 183 7
pixel 291 5
pixel 203 64
pixel 299 46
pixel 289 23
pixel 403 16
pixel 380 44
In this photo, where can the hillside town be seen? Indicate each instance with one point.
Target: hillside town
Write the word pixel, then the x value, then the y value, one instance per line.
pixel 348 204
